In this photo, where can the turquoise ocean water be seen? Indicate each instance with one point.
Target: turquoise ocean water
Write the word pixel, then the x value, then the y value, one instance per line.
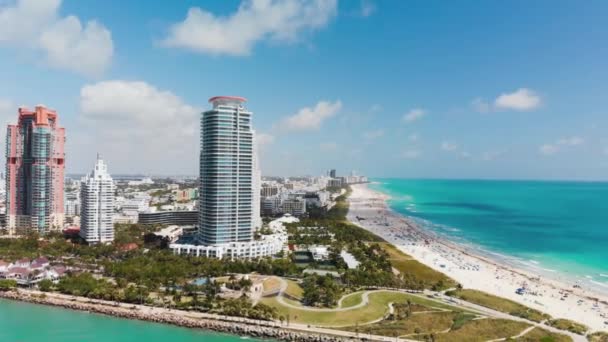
pixel 558 228
pixel 23 322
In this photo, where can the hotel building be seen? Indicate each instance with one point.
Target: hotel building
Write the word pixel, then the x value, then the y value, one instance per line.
pixel 97 205
pixel 35 162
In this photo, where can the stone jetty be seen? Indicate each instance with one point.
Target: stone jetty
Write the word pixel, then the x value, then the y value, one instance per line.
pixel 230 325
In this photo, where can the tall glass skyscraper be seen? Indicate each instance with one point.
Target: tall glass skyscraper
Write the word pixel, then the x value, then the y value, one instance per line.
pixel 230 182
pixel 228 173
pixel 35 162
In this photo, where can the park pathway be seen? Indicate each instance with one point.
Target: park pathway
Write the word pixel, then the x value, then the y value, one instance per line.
pixel 281 300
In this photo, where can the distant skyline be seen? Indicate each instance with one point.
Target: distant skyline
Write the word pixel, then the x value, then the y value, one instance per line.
pixel 411 89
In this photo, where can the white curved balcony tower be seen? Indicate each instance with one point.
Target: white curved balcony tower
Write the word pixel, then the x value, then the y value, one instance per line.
pixel 228 174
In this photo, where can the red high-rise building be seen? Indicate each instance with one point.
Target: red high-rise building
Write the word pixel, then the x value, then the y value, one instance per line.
pixel 35 163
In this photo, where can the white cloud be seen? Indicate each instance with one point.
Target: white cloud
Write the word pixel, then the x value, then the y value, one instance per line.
pixel 553 148
pixel 367 8
pixel 86 50
pixel 328 146
pixel 133 101
pixel 139 124
pixel 372 135
pixel 413 115
pixel 522 99
pixel 254 21
pixel 66 44
pixel 448 146
pixel 311 118
pixel 264 139
pixel 410 154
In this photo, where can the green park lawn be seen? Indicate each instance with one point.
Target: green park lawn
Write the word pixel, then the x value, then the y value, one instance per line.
pixel 293 289
pixel 352 299
pixel 539 334
pixel 483 330
pixel 376 309
pixel 405 264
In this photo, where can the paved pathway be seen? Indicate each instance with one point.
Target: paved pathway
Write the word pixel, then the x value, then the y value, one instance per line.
pixel 443 299
pixel 498 314
pixel 281 299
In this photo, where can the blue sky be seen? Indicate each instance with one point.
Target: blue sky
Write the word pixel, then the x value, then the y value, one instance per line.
pixel 466 89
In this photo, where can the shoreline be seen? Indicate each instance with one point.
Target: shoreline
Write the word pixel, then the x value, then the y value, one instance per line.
pixel 472 268
pixel 187 319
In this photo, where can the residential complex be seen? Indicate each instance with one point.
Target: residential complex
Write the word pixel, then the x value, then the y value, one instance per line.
pixel 28 272
pixel 226 205
pixel 35 162
pixel 97 205
pixel 176 217
pixel 229 203
pixel 296 196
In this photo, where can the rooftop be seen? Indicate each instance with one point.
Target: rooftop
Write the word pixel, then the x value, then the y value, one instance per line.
pixel 227 100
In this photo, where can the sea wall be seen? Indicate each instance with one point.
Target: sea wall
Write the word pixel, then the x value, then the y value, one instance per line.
pixel 177 318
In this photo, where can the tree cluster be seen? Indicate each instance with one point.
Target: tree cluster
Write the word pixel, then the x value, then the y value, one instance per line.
pixel 320 291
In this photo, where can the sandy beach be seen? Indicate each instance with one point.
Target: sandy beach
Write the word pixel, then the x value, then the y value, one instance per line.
pixel 368 209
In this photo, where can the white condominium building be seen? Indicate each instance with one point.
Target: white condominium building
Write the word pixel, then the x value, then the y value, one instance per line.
pixel 257 185
pixel 230 183
pixel 227 173
pixel 97 205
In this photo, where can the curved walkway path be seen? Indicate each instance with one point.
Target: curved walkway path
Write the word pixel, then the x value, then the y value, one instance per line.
pixel 350 295
pixel 443 300
pixel 498 314
pixel 281 300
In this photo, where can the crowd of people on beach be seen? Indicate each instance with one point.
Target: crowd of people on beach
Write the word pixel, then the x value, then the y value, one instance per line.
pixel 369 209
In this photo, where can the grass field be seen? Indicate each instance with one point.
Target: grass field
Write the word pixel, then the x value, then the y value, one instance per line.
pixel 483 330
pixel 453 327
pixel 415 324
pixel 405 264
pixel 376 309
pixel 539 334
pixel 499 304
pixel 294 290
pixel 565 324
pixel 352 299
